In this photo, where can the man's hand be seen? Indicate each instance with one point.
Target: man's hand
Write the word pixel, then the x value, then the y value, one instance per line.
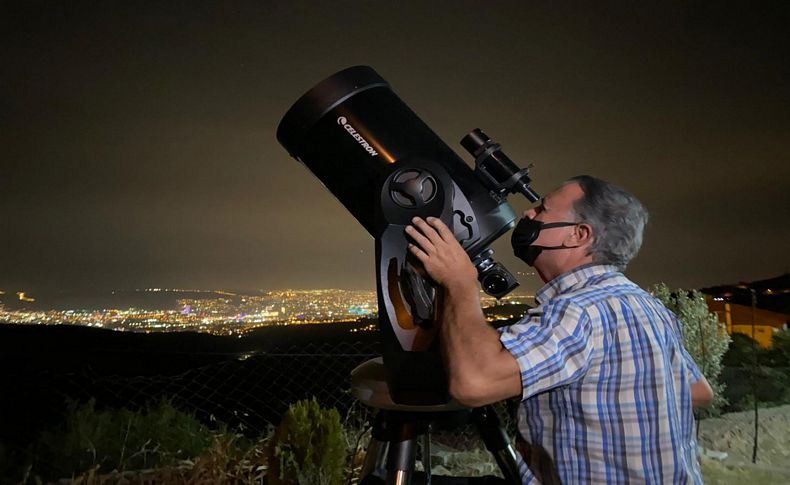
pixel 479 370
pixel 440 253
pixel 701 394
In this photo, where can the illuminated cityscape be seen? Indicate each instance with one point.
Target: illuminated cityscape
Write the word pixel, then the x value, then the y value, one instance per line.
pixel 225 313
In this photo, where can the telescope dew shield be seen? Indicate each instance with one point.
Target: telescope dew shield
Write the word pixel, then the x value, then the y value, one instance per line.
pixel 385 165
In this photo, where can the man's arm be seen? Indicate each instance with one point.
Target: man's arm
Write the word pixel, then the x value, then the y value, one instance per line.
pixel 701 392
pixel 480 371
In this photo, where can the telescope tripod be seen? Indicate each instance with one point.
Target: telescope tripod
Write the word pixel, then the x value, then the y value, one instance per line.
pixel 392 453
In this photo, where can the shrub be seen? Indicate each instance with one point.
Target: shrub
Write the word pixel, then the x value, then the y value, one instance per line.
pixel 771 387
pixel 779 355
pixel 121 440
pixel 769 379
pixel 308 448
pixel 704 337
pixel 742 350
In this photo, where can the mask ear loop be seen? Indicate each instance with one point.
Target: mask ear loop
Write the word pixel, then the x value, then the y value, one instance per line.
pixel 551 225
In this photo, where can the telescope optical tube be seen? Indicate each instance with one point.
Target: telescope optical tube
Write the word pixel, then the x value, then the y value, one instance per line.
pixel 386 166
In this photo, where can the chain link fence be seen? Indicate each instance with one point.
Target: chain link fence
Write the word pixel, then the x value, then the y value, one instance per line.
pixel 249 391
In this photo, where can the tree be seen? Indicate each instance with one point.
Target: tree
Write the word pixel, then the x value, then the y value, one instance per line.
pixel 704 337
pixel 779 355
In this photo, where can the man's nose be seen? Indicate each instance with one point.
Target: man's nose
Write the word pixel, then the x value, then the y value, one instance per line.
pixel 529 213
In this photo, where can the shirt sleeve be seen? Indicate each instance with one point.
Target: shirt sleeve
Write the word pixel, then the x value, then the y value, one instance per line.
pixel 688 360
pixel 691 366
pixel 552 348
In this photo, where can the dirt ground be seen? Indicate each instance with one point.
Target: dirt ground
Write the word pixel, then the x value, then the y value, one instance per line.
pixel 733 433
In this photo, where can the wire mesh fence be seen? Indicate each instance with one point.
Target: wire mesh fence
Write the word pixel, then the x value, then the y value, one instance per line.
pixel 250 391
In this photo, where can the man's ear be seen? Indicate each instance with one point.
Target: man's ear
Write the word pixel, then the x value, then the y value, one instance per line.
pixel 583 234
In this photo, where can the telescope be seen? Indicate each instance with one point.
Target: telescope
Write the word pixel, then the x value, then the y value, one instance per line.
pixel 386 166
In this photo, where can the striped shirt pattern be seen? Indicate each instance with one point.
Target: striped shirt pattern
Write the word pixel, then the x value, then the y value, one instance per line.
pixel 606 384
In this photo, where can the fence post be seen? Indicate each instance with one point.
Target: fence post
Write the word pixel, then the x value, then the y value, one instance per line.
pixel 754 381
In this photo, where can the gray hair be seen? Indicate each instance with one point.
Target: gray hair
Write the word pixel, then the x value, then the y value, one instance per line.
pixel 617 219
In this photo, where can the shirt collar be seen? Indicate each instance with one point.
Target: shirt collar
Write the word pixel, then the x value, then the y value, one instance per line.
pixel 572 279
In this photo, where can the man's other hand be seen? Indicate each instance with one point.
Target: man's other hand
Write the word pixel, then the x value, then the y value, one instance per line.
pixel 701 394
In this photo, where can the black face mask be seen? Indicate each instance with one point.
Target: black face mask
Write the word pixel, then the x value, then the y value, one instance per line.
pixel 526 232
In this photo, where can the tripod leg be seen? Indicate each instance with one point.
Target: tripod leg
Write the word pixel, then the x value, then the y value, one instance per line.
pixel 401 455
pixel 374 466
pixel 375 459
pixel 426 455
pixel 497 442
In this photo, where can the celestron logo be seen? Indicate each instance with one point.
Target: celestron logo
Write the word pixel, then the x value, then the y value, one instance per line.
pixel 342 121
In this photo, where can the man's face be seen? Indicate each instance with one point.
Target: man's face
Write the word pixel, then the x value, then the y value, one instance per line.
pixel 557 206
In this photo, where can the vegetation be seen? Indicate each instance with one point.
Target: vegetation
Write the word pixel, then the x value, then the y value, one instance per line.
pixel 704 337
pixel 308 448
pixel 106 440
pixel 161 444
pixel 779 353
pixel 230 459
pixel 743 351
pixel 755 372
pixel 156 444
pixel 749 371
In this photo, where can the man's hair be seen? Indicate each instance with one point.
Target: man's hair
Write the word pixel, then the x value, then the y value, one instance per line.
pixel 617 218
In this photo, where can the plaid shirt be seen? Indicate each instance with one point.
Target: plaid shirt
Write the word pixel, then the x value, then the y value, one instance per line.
pixel 606 384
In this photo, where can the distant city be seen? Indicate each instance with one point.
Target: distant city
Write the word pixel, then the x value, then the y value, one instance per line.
pixel 221 312
pixel 758 309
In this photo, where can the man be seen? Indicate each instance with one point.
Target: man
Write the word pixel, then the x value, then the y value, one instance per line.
pixel 606 387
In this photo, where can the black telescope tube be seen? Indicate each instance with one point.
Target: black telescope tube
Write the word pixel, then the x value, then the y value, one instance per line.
pixel 386 166
pixel 310 108
pixel 378 130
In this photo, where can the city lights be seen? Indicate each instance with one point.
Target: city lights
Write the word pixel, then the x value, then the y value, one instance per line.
pixel 226 313
pixel 220 312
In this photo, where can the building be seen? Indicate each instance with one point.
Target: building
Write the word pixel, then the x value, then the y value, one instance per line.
pixel 756 323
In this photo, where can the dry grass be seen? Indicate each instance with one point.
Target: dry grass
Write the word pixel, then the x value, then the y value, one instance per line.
pixel 230 459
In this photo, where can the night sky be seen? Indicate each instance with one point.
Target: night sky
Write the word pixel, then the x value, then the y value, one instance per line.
pixel 137 139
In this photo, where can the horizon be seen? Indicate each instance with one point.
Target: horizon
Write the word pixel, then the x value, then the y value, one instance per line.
pixel 53 301
pixel 10 290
